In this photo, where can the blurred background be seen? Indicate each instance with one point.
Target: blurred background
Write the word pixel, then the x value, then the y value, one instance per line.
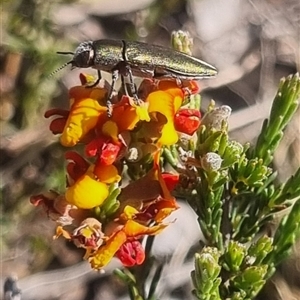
pixel 252 43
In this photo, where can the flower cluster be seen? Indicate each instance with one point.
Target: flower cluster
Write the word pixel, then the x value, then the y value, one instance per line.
pixel 116 192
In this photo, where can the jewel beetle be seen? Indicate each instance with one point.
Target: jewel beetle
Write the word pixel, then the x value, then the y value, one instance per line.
pixel 131 58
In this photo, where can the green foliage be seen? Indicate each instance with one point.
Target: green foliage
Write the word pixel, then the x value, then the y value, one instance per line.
pixel 286 235
pixel 205 277
pixel 284 106
pixel 235 195
pixel 111 204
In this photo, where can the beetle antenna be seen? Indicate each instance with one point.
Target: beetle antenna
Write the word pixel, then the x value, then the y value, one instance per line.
pixel 65 53
pixel 60 68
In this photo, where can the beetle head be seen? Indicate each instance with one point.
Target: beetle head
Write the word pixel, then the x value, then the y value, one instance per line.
pixel 83 56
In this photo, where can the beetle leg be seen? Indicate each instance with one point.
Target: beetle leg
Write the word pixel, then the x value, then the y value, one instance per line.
pixel 132 85
pixel 114 78
pixel 125 70
pixel 124 85
pixel 99 77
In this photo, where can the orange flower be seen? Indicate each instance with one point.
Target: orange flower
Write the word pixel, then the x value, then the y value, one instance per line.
pixel 88 235
pixel 87 192
pixel 143 202
pixel 110 142
pixel 167 102
pixel 84 113
pixel 130 231
pixel 116 219
pixel 88 184
pixel 106 173
pixel 126 114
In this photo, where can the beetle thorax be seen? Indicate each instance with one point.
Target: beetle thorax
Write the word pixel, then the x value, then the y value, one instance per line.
pixel 84 55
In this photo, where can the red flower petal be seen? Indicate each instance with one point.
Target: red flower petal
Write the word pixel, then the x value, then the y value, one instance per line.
pixel 56 111
pixel 58 125
pixel 187 120
pixel 171 180
pixel 131 253
pixel 77 165
pixel 94 147
pixel 109 153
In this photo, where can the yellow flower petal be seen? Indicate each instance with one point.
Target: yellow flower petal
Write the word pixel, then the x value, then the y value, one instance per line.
pixel 167 104
pixel 128 213
pixel 163 213
pixel 83 117
pixel 134 229
pixel 87 192
pixel 110 128
pixel 106 252
pixel 169 135
pixel 142 111
pixel 60 231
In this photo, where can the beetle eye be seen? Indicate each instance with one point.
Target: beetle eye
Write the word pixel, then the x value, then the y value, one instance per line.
pixel 83 59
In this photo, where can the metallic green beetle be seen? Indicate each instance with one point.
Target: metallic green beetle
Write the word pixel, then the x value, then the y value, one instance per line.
pixel 127 58
pixel 144 60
